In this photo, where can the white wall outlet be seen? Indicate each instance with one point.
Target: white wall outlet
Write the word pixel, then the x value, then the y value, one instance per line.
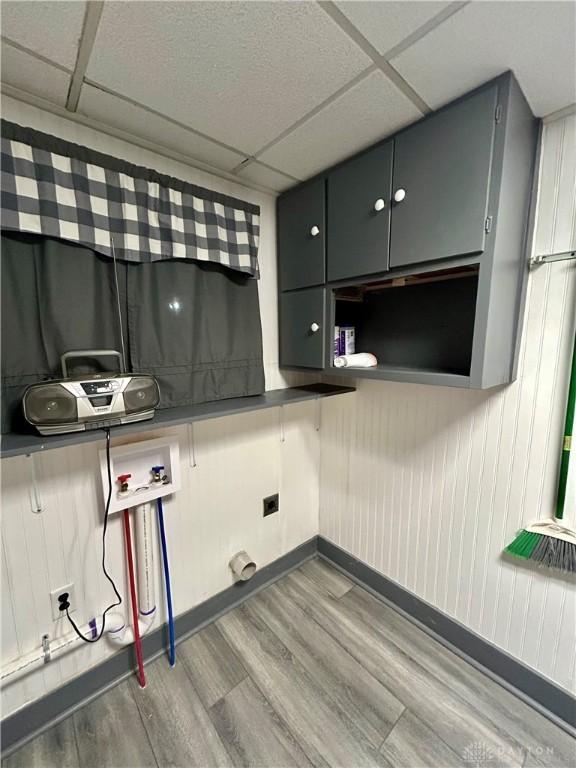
pixel 55 594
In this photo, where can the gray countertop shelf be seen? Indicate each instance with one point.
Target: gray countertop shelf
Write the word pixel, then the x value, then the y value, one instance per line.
pixel 13 444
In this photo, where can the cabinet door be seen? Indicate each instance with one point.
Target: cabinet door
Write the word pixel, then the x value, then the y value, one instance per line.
pixel 301 236
pixel 302 329
pixel 442 173
pixel 359 214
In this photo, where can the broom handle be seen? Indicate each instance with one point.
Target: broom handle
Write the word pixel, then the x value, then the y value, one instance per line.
pixel 567 442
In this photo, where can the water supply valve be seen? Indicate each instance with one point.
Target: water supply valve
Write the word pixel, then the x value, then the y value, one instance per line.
pixel 123 481
pixel 158 476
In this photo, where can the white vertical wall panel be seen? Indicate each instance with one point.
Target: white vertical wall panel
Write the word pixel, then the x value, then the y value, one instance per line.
pixel 228 466
pixel 428 484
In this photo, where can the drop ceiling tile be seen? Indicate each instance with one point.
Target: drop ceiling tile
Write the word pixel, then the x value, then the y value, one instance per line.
pixel 385 24
pixel 241 72
pixel 29 74
pixel 51 29
pixel 265 177
pixel 537 40
pixel 115 111
pixel 371 110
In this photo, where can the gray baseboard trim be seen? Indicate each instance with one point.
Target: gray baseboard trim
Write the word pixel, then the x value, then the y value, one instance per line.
pixel 36 717
pixel 541 693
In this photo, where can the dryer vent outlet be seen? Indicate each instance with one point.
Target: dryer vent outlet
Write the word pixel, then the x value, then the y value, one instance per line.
pixel 242 566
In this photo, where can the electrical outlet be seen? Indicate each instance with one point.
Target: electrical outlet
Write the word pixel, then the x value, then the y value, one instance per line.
pixel 271 504
pixel 54 599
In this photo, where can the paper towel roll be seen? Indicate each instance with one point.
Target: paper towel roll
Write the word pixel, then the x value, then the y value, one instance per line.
pixel 359 360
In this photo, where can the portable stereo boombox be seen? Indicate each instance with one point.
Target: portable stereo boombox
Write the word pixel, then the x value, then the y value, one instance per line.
pixel 77 403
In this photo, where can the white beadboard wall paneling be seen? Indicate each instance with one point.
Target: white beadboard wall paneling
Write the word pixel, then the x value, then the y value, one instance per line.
pixel 429 484
pixel 238 461
pixel 298 518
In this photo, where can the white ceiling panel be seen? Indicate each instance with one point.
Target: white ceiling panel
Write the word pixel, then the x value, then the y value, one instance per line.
pixel 117 112
pixel 256 173
pixel 51 29
pixel 29 74
pixel 534 39
pixel 385 23
pixel 241 72
pixel 371 110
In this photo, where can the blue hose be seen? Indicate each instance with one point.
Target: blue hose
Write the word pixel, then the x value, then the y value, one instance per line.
pixel 172 656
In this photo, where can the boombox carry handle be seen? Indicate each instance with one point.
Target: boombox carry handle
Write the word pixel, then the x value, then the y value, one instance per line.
pixel 89 353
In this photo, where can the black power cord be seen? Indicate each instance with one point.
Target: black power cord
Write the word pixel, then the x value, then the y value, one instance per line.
pixel 63 599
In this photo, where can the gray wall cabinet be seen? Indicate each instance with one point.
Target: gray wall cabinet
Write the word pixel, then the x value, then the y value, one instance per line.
pixel 422 246
pixel 359 214
pixel 302 236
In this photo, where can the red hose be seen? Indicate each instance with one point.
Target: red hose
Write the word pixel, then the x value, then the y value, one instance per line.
pixel 137 640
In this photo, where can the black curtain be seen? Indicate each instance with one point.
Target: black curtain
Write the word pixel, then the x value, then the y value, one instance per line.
pixel 195 327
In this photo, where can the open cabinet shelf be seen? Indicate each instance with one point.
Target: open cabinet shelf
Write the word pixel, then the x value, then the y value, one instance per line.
pixel 419 327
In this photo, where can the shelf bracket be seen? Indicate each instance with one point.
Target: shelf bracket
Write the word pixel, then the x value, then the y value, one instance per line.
pixel 46 648
pixel 33 492
pixel 547 258
pixel 192 445
pixel 281 424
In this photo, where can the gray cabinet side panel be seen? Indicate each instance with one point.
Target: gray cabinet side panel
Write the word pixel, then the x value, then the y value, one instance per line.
pixel 499 315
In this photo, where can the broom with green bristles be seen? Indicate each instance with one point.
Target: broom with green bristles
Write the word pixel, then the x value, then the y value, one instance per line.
pixel 547 542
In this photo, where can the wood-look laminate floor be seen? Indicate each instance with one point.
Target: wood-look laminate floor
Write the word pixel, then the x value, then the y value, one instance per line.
pixel 311 671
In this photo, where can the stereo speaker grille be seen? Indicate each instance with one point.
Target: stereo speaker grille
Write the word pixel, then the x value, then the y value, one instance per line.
pixel 141 394
pixel 50 404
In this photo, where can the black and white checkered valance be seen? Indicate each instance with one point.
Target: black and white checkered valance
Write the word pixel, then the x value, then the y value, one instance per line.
pixel 55 188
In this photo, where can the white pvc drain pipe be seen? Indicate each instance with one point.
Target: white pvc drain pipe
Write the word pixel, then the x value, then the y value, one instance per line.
pixel 124 633
pixel 242 566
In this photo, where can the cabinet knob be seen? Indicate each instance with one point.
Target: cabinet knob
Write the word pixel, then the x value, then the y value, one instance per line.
pixel 399 195
pixel 314 231
pixel 379 205
pixel 314 327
